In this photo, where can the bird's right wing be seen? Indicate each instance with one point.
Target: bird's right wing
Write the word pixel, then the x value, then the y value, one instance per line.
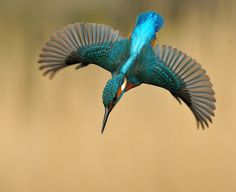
pixel 175 71
pixel 79 43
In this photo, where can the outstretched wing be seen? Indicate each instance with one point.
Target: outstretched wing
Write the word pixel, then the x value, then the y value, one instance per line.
pixel 183 77
pixel 79 43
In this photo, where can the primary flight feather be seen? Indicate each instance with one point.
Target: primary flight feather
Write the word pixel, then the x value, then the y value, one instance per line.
pixel 131 62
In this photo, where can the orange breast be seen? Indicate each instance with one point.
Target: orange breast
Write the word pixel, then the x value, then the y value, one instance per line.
pixel 130 86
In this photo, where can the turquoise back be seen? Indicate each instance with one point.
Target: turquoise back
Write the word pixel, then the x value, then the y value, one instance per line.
pixel 147 25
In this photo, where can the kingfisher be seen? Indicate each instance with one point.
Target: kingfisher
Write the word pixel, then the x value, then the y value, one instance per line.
pixel 132 61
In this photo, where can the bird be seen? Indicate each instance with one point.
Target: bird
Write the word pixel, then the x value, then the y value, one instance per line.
pixel 132 61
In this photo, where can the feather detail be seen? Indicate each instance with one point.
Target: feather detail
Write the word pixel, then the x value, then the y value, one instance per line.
pixel 195 86
pixel 147 25
pixel 79 43
pixel 157 19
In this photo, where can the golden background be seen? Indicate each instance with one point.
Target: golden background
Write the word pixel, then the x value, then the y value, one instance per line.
pixel 50 137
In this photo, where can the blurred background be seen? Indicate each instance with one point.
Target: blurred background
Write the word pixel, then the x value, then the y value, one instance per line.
pixel 50 137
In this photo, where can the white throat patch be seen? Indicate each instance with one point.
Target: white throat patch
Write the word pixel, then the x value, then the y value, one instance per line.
pixel 124 85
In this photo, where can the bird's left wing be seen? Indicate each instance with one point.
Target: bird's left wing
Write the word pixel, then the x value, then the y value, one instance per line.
pixel 175 71
pixel 79 43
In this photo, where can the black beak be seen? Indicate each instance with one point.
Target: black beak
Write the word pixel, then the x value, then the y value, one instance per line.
pixel 106 115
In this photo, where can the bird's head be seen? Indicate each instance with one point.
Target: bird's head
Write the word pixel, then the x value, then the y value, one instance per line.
pixel 112 93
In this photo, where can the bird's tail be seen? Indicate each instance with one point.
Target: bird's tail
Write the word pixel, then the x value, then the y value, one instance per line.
pixel 150 16
pixel 147 25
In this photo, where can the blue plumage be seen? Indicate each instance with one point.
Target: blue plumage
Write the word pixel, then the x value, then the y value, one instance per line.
pixel 155 18
pixel 132 62
pixel 147 25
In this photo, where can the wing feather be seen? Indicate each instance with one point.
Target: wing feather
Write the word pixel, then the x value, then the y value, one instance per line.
pixel 79 43
pixel 196 89
pixel 183 77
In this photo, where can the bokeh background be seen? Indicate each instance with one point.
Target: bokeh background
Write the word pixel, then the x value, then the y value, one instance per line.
pixel 50 137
